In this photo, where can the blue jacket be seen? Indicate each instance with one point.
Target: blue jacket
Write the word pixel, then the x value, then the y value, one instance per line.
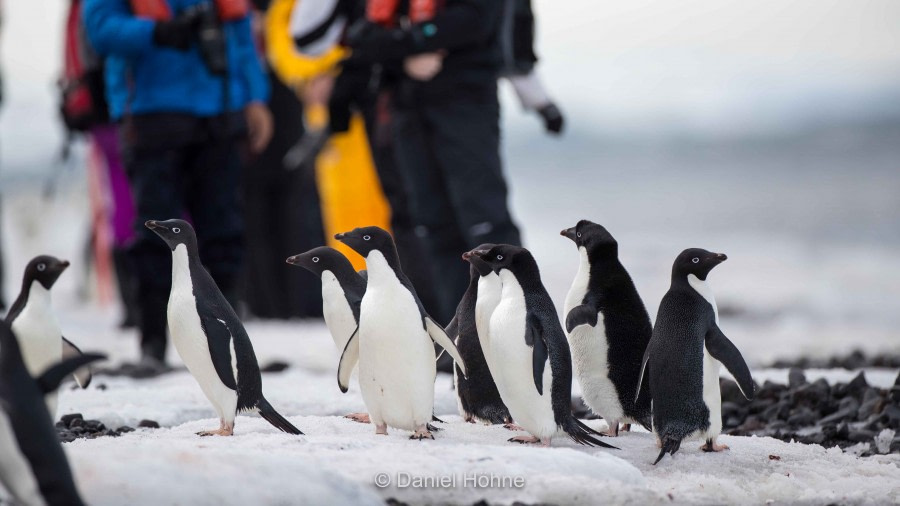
pixel 142 77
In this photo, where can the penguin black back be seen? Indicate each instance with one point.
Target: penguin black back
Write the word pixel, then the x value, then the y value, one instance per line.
pixel 626 322
pixel 478 394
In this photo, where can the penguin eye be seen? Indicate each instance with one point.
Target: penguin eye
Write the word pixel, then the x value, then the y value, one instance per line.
pixel 176 230
pixel 41 267
pixel 366 237
pixel 499 257
pixel 577 234
pixel 315 260
pixel 695 260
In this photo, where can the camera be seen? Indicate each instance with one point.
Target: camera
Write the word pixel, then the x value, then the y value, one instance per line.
pixel 211 37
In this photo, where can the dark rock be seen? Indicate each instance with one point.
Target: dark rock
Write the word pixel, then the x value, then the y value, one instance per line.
pixel 858 385
pixel 76 422
pixel 110 432
pixel 275 366
pixel 839 416
pixel 895 445
pixel 796 378
pixel 732 393
pixel 67 419
pixel 778 411
pixel 124 429
pixel 101 386
pixel 842 430
pixel 148 424
pixel 94 425
pixel 870 407
pixel 848 404
pixel 812 439
pixel 752 423
pixel 861 436
pixel 770 390
pixel 891 416
pixel 802 417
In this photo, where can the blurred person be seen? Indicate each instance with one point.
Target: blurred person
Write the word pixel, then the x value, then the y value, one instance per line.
pixel 349 188
pixel 281 212
pixel 2 298
pixel 84 110
pixel 305 31
pixel 445 125
pixel 519 61
pixel 185 104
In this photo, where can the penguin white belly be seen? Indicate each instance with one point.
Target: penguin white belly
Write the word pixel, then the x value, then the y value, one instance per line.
pixel 39 337
pixel 711 394
pixel 579 287
pixel 15 470
pixel 190 340
pixel 396 356
pixel 514 363
pixel 336 310
pixel 590 349
pixel 489 288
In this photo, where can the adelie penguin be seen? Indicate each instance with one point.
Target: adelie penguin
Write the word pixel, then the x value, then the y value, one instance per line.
pixel 35 325
pixel 342 292
pixel 477 394
pixel 683 358
pixel 393 341
pixel 528 351
pixel 608 329
pixel 209 337
pixel 33 466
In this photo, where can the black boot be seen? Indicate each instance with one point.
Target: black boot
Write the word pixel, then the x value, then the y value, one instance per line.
pixel 127 282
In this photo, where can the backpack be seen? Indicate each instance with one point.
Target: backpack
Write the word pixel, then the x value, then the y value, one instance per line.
pixel 82 101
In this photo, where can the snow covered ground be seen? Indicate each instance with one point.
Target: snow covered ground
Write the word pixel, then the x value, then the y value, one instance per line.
pixel 338 460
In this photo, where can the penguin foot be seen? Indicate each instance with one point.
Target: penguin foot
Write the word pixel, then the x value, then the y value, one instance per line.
pixel 422 433
pixel 218 432
pixel 613 430
pixel 526 440
pixel 626 427
pixel 381 430
pixel 358 417
pixel 712 446
pixel 512 426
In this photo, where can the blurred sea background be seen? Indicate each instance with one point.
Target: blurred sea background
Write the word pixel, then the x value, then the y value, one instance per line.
pixel 767 130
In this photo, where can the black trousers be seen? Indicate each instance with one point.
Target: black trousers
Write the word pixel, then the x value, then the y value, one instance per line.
pixel 182 166
pixel 449 154
pixel 282 218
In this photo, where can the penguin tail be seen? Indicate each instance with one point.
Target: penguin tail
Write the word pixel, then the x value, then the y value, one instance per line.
pixel 670 446
pixel 496 415
pixel 436 419
pixel 270 415
pixel 582 434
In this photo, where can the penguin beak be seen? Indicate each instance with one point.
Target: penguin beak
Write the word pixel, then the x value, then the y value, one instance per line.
pixel 467 255
pixel 721 257
pixel 63 265
pixel 569 233
pixel 294 260
pixel 154 225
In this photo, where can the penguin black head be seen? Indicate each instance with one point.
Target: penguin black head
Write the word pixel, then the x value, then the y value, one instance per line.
pixel 593 237
pixel 321 259
pixel 364 240
pixel 500 256
pixel 483 268
pixel 696 261
pixel 44 269
pixel 174 232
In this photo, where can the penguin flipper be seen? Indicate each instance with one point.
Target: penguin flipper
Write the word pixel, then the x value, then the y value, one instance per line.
pixel 644 372
pixel 723 350
pixel 534 337
pixel 50 379
pixel 218 338
pixel 349 358
pixel 82 376
pixel 581 315
pixel 437 334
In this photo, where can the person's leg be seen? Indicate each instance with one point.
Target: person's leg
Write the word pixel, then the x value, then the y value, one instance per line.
pixel 214 205
pixel 431 212
pixel 409 246
pixel 154 170
pixel 467 146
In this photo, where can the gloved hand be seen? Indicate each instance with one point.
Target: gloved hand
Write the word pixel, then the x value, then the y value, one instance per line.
pixel 176 33
pixel 553 118
pixel 373 43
